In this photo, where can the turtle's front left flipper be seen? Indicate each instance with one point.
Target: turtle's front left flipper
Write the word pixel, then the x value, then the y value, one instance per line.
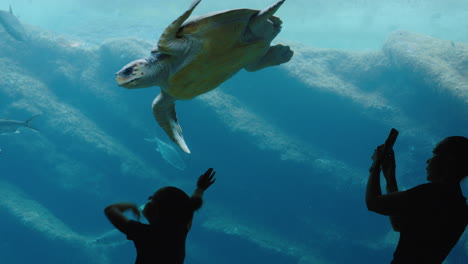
pixel 168 43
pixel 165 114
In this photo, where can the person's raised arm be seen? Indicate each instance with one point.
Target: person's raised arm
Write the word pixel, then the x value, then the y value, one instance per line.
pixel 373 190
pixel 204 182
pixel 115 214
pixel 392 203
pixel 388 169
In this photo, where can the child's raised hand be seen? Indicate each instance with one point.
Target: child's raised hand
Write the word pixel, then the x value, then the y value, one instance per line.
pixel 206 179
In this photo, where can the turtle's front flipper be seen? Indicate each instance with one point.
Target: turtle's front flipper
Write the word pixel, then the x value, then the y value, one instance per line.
pixel 164 112
pixel 168 43
pixel 276 55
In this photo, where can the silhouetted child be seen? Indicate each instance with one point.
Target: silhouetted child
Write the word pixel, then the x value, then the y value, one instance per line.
pixel 430 217
pixel 169 212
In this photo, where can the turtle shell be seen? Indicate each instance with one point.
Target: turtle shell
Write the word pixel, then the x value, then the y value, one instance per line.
pixel 223 52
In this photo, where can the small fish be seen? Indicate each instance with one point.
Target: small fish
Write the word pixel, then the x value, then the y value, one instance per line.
pixel 12 126
pixel 168 153
pixel 453 44
pixel 12 25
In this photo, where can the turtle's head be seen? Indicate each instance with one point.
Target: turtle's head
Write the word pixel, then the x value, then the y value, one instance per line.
pixel 138 74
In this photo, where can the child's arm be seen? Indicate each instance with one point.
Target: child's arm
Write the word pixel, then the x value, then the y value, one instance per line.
pixel 115 214
pixel 204 182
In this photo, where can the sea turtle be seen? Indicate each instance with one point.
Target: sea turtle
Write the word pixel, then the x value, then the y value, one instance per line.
pixel 195 56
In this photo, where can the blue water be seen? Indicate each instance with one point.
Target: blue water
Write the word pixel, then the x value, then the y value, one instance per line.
pixel 291 145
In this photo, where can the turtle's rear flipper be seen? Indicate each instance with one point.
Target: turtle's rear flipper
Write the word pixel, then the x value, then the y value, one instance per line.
pixel 276 55
pixel 264 25
pixel 164 112
pixel 270 11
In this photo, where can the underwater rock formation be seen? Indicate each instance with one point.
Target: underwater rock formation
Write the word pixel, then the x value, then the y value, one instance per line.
pixel 435 63
pixel 439 64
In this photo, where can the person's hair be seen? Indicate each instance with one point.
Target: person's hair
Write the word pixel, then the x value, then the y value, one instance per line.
pixel 173 206
pixel 454 150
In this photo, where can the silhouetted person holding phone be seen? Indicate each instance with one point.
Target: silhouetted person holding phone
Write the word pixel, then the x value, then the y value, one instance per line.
pixel 169 212
pixel 430 217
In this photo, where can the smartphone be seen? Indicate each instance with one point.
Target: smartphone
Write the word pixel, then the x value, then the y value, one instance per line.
pixel 390 140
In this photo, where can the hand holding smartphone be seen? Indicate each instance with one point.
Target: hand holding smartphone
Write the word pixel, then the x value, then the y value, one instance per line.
pixel 389 142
